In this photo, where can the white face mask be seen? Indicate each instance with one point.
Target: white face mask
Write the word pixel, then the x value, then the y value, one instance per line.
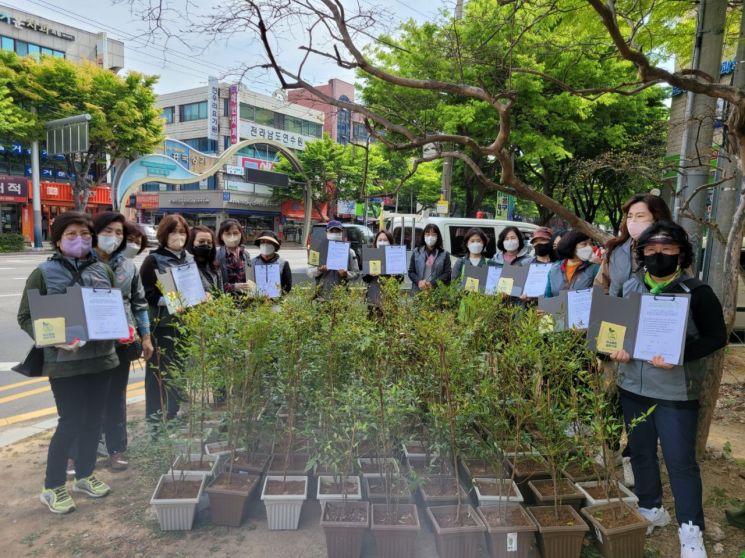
pixel 636 229
pixel 131 250
pixel 475 248
pixel 383 242
pixel 430 240
pixel 335 236
pixel 266 249
pixel 176 241
pixel 231 240
pixel 511 245
pixel 107 244
pixel 585 253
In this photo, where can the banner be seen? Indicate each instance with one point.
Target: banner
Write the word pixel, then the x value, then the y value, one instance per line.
pixel 213 102
pixel 233 105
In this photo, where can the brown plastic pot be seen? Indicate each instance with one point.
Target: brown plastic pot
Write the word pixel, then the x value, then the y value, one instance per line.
pixel 465 541
pixel 515 468
pixel 228 504
pixel 562 540
pixel 626 541
pixel 376 494
pixel 431 498
pixel 344 539
pixel 575 499
pixel 511 537
pixel 394 541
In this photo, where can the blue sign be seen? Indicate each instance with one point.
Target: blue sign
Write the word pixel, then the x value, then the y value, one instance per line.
pixel 226 196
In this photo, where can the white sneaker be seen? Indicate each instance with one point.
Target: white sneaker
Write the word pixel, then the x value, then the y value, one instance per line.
pixel 657 517
pixel 628 473
pixel 691 541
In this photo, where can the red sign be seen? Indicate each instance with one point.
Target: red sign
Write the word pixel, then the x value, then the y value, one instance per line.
pixel 233 105
pixel 148 201
pixel 61 194
pixel 13 189
pixel 260 164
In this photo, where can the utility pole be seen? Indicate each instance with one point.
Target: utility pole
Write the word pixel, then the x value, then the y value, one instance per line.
pixel 36 190
pixel 695 153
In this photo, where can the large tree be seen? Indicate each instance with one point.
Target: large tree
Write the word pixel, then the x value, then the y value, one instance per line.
pixel 125 122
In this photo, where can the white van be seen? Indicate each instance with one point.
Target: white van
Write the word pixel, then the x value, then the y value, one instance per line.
pixel 453 230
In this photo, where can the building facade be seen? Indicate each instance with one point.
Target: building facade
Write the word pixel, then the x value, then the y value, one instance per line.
pixel 29 35
pixel 208 120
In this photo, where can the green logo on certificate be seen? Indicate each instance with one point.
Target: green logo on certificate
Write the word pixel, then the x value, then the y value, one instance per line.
pixel 314 258
pixel 472 284
pixel 610 337
pixel 49 331
pixel 375 267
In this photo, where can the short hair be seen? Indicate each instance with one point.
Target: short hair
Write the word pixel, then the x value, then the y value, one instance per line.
pixel 134 229
pixel 61 222
pixel 104 219
pixel 196 229
pixel 503 234
pixel 431 227
pixel 677 234
pixel 227 224
pixel 568 244
pixel 475 231
pixel 167 225
pixel 657 207
pixel 387 234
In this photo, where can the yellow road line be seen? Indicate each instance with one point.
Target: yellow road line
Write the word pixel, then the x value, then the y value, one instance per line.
pixel 24 383
pixel 27 393
pixel 133 390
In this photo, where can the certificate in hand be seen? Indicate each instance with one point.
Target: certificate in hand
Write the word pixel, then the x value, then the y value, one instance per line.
pixel 493 274
pixel 338 255
pixel 535 284
pixel 395 260
pixel 104 314
pixel 579 304
pixel 268 281
pixel 188 283
pixel 662 327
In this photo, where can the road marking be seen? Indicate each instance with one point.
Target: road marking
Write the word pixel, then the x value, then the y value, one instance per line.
pixel 7 268
pixel 24 383
pixel 11 294
pixel 133 390
pixel 27 393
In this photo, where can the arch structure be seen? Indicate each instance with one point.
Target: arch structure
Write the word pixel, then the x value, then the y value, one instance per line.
pixel 157 167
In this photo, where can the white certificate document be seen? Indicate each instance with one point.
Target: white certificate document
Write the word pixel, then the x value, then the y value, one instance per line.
pixel 579 304
pixel 104 314
pixel 395 260
pixel 662 327
pixel 535 284
pixel 338 255
pixel 188 284
pixel 493 273
pixel 268 280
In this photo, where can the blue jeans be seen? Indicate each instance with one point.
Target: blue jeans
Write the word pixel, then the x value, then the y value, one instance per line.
pixel 675 427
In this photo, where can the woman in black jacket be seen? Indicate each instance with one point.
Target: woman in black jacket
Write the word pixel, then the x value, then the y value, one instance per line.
pixel 430 262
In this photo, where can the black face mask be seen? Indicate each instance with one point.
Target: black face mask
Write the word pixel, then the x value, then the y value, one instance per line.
pixel 543 250
pixel 202 253
pixel 661 265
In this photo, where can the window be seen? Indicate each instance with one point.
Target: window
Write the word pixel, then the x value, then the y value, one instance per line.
pixel 34 50
pixel 167 114
pixel 226 107
pixel 193 111
pixel 246 112
pixel 265 117
pixel 6 43
pixel 202 144
pixel 58 54
pixel 47 51
pixel 21 48
pixel 359 132
pixel 343 123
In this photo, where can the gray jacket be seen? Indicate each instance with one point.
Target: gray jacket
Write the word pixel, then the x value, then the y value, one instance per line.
pixel 127 278
pixel 458 273
pixel 327 280
pixel 582 278
pixel 620 267
pixel 418 266
pixel 523 257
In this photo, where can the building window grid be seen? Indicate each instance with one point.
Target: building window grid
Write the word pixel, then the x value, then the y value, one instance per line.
pixel 193 111
pixel 24 48
pixel 168 114
pixel 280 121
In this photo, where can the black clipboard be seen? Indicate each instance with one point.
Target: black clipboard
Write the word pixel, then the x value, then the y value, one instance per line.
pixel 373 258
pixel 518 274
pixel 613 314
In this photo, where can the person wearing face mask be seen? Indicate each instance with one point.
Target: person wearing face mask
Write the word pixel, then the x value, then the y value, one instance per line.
pixel 202 246
pixel 326 279
pixel 112 230
pixel 79 373
pixel 232 258
pixel 574 271
pixel 543 248
pixel 511 248
pixel 172 234
pixel 430 262
pixel 619 263
pixel 382 239
pixel 475 242
pixel 664 252
pixel 269 245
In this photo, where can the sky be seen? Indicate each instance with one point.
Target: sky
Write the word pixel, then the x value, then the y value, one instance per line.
pixel 187 59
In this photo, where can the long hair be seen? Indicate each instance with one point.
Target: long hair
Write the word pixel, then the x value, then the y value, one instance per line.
pixel 431 227
pixel 657 207
pixel 212 258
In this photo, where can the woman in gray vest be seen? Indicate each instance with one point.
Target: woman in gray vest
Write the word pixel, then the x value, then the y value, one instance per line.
pixel 79 372
pixel 430 262
pixel 574 271
pixel 269 245
pixel 664 253
pixel 112 233
pixel 173 231
pixel 326 279
pixel 474 242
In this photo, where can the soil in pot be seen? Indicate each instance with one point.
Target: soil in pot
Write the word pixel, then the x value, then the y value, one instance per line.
pixel 437 491
pixel 395 529
pixel 344 525
pixel 329 486
pixel 568 494
pixel 415 448
pixel 510 530
pixel 492 487
pixel 479 468
pixel 523 468
pixel 296 465
pixel 580 472
pixel 182 465
pixel 601 492
pixel 459 532
pixel 229 496
pixel 561 531
pixel 377 466
pixel 431 466
pixel 620 531
pixel 376 490
pixel 179 490
pixel 284 488
pixel 254 463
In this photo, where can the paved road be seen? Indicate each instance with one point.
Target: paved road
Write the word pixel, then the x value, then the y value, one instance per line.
pixel 28 400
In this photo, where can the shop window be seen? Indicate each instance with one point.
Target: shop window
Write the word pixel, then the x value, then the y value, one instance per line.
pixel 168 114
pixel 21 48
pixel 246 112
pixel 34 50
pixel 58 54
pixel 47 51
pixel 6 43
pixel 265 117
pixel 193 111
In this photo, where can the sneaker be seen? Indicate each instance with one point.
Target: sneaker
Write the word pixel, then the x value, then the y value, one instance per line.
pixel 101 450
pixel 58 500
pixel 71 468
pixel 657 517
pixel 691 541
pixel 628 473
pixel 91 486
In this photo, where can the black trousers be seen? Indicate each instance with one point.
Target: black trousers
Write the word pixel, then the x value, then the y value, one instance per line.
pixel 115 410
pixel 160 386
pixel 80 401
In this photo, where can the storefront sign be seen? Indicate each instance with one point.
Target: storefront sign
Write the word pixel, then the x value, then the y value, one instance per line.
pixel 252 163
pixel 251 130
pixel 233 114
pixel 236 186
pixel 213 98
pixel 247 201
pixel 13 189
pixel 345 207
pixel 52 191
pixel 235 170
pixel 34 26
pixel 147 201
